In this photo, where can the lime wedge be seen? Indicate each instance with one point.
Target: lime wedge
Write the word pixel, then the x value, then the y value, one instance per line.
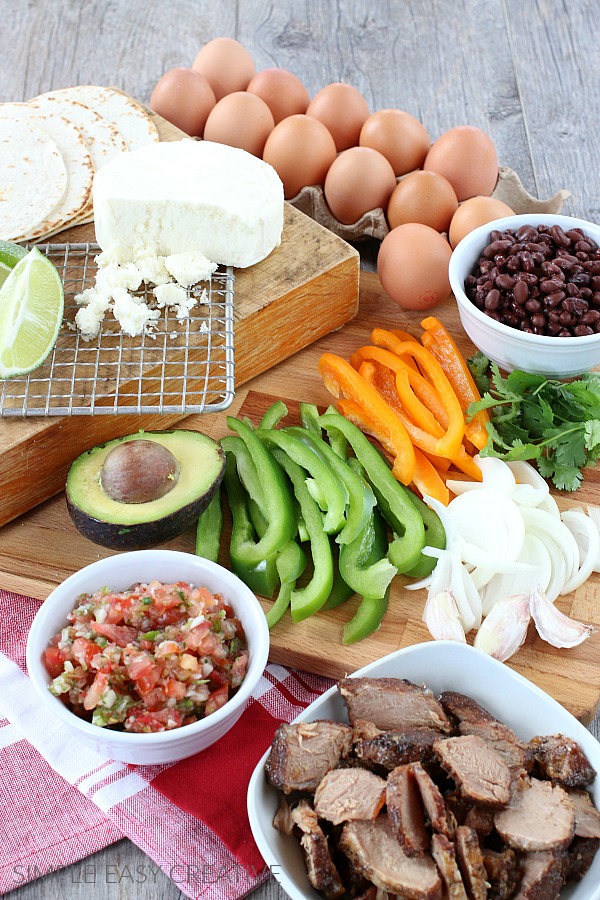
pixel 4 273
pixel 31 312
pixel 10 253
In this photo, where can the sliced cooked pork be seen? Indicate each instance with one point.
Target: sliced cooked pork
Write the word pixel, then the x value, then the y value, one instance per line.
pixel 301 754
pixel 472 718
pixel 580 856
pixel 393 703
pixel 432 800
pixel 320 867
pixel 502 873
pixel 389 749
pixel 481 820
pixel 444 854
pixel 470 863
pixel 345 794
pixel 540 817
pixel 541 876
pixel 587 817
pixel 479 772
pixel 375 852
pixel 405 810
pixel 562 760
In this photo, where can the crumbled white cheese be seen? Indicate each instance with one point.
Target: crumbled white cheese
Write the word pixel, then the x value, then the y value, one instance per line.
pixel 114 276
pixel 90 316
pixel 152 267
pixel 189 268
pixel 132 314
pixel 169 295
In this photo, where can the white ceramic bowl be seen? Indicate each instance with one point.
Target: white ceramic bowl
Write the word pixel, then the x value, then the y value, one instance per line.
pixel 555 357
pixel 119 573
pixel 442 666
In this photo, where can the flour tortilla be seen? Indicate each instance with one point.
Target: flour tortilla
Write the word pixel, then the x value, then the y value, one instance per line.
pixel 131 119
pixel 33 178
pixel 77 199
pixel 103 139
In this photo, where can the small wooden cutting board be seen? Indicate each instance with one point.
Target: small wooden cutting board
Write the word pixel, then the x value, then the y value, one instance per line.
pixel 40 549
pixel 307 287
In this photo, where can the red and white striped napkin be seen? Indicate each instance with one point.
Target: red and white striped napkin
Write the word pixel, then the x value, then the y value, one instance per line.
pixel 60 802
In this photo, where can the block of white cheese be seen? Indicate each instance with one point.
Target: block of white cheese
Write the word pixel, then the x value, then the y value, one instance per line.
pixel 182 196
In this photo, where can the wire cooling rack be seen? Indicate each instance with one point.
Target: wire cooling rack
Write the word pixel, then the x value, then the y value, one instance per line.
pixel 181 366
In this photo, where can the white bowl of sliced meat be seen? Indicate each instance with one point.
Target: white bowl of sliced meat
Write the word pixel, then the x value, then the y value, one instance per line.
pixel 434 772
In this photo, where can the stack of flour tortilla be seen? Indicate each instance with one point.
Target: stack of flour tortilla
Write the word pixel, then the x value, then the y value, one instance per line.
pixel 50 148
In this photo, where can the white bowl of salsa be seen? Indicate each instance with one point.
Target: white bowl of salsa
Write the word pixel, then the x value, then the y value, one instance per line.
pixel 150 656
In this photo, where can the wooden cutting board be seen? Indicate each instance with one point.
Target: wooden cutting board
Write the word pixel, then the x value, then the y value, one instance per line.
pixel 41 548
pixel 307 287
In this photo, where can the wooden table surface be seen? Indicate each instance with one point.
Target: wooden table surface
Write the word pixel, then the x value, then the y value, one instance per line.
pixel 528 73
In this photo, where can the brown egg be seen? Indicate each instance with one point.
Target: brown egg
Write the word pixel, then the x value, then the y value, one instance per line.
pixel 467 157
pixel 300 149
pixel 226 65
pixel 358 180
pixel 401 138
pixel 413 266
pixel 284 94
pixel 475 212
pixel 343 110
pixel 241 120
pixel 184 98
pixel 424 197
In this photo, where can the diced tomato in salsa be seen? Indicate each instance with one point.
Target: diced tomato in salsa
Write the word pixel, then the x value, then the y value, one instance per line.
pixel 149 659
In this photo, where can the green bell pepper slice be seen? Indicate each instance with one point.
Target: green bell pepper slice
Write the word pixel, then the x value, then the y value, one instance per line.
pixel 361 498
pixel 273 416
pixel 259 574
pixel 291 563
pixel 277 506
pixel 309 416
pixel 370 613
pixel 324 485
pixel 368 578
pixel 340 591
pixel 310 598
pixel 435 536
pixel 406 522
pixel 209 530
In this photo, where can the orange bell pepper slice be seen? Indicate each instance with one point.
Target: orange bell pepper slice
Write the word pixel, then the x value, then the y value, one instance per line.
pixel 448 444
pixel 342 380
pixel 382 379
pixel 441 344
pixel 422 388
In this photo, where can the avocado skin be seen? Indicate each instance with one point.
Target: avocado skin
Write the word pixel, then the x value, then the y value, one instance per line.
pixel 143 535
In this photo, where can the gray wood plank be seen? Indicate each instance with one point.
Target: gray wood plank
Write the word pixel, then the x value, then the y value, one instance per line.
pixel 527 73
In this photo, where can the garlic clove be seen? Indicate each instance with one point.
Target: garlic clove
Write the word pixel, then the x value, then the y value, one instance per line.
pixel 505 628
pixel 553 626
pixel 442 617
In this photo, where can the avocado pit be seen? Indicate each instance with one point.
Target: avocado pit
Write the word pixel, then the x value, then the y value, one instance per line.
pixel 139 471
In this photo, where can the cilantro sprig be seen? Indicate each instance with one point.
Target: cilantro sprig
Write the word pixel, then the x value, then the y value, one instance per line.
pixel 532 417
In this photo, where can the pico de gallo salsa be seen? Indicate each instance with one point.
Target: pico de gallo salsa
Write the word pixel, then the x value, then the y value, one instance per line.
pixel 148 659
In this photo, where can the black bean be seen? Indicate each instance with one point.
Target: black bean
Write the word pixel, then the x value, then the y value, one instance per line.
pixel 492 300
pixel 520 292
pixel 582 330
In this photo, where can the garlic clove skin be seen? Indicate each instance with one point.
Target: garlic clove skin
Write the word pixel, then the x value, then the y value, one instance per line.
pixel 553 626
pixel 504 629
pixel 442 617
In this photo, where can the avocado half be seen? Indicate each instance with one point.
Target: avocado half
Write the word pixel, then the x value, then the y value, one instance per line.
pixel 119 525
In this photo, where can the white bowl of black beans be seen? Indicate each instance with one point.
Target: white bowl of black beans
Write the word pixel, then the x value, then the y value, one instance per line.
pixel 528 293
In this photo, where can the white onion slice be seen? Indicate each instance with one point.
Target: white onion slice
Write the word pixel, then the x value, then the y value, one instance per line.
pixel 553 626
pixel 530 488
pixel 496 474
pixel 549 505
pixel 587 538
pixel 539 557
pixel 594 514
pixel 468 615
pixel 554 530
pixel 489 520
